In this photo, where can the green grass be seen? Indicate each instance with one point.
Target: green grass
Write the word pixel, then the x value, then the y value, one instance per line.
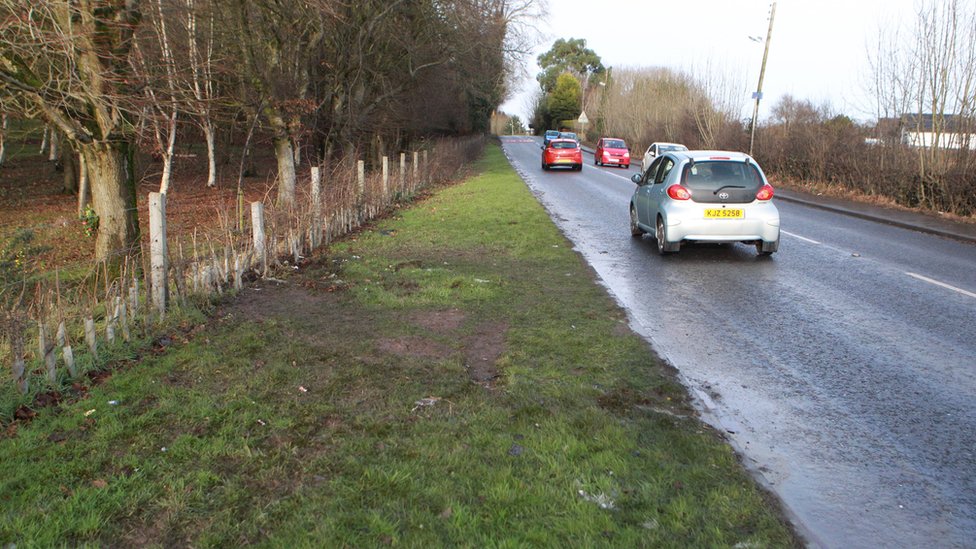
pixel 291 419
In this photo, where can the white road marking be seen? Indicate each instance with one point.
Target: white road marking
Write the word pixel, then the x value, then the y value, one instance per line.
pixel 942 284
pixel 607 172
pixel 805 239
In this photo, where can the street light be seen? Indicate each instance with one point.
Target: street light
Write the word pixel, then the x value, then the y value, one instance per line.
pixel 762 72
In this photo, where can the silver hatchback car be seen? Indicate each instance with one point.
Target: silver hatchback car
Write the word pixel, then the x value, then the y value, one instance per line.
pixel 704 196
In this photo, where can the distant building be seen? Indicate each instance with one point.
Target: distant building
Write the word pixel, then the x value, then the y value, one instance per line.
pixel 949 131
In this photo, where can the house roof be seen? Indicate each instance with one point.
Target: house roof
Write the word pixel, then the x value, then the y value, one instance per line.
pixel 926 122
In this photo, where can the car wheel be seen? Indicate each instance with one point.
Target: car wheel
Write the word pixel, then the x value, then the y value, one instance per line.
pixel 661 235
pixel 635 229
pixel 767 248
pixel 545 167
pixel 578 167
pixel 626 166
pixel 595 161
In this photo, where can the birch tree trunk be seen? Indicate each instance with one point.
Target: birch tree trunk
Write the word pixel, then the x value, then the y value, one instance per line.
pixel 3 133
pixel 208 133
pixel 201 64
pixel 84 189
pixel 52 151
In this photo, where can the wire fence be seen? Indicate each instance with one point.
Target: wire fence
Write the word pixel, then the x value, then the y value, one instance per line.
pixel 59 333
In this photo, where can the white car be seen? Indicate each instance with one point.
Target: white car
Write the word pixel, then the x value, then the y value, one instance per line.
pixel 704 196
pixel 657 149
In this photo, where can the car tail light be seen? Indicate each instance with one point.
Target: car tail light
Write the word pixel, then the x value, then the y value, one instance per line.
pixel 678 192
pixel 765 193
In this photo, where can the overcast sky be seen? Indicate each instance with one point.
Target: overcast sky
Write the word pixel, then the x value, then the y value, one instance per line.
pixel 819 48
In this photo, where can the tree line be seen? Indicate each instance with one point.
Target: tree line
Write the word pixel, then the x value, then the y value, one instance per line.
pixel 335 79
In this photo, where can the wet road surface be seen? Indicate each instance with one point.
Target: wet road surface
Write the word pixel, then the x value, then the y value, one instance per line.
pixel 843 367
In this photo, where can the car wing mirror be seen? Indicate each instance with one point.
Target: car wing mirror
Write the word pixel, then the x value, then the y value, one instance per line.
pixel 637 178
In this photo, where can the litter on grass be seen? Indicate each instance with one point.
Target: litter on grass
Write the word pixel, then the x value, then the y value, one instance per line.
pixel 600 499
pixel 429 401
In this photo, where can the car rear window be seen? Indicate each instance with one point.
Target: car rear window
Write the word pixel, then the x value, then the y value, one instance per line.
pixel 614 144
pixel 564 145
pixel 713 175
pixel 666 148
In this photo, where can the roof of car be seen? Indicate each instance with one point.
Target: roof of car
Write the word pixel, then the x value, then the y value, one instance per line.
pixel 563 140
pixel 659 143
pixel 710 155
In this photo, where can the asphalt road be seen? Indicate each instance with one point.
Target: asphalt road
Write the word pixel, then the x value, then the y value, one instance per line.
pixel 843 367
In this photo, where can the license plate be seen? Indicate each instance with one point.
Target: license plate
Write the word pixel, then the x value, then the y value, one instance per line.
pixel 563 160
pixel 613 160
pixel 724 213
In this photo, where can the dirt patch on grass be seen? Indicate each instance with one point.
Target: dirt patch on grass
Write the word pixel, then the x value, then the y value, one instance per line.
pixel 290 299
pixel 482 351
pixel 418 347
pixel 441 322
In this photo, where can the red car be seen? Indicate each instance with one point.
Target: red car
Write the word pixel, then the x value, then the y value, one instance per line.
pixel 612 151
pixel 562 152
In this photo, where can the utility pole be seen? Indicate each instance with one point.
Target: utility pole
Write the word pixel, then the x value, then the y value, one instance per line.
pixel 762 72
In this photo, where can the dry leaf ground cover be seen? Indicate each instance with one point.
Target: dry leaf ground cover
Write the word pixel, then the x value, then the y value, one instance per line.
pixel 451 376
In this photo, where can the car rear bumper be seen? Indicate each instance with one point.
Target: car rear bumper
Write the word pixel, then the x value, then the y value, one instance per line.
pixel 687 222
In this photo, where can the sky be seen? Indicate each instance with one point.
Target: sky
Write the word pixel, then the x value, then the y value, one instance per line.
pixel 819 50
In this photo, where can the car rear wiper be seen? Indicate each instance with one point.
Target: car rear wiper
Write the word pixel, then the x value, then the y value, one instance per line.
pixel 728 187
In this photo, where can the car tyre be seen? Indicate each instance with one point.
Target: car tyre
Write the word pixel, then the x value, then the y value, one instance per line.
pixel 595 161
pixel 545 167
pixel 626 166
pixel 635 230
pixel 765 248
pixel 661 235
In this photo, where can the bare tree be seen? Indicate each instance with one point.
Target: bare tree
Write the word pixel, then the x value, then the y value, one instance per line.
pixel 200 39
pixel 67 62
pixel 277 43
pixel 163 104
pixel 924 77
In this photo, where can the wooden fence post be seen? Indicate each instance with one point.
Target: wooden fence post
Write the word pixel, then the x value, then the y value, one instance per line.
pixel 158 253
pixel 257 235
pixel 361 178
pixel 426 169
pixel 416 168
pixel 316 235
pixel 386 179
pixel 403 172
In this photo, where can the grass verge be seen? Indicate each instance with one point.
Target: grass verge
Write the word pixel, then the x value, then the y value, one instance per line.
pixel 453 376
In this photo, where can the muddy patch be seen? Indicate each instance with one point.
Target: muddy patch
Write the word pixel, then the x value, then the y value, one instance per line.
pixel 482 351
pixel 288 300
pixel 418 347
pixel 440 322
